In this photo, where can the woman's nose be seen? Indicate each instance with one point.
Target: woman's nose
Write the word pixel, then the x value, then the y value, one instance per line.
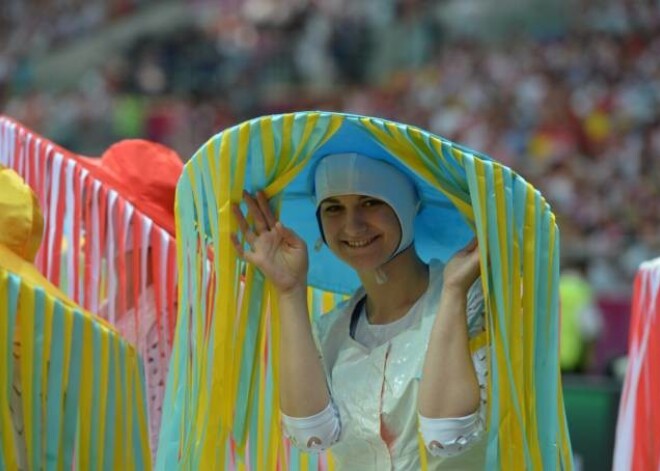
pixel 355 222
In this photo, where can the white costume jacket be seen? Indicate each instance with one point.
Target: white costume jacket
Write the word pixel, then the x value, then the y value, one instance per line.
pixel 375 391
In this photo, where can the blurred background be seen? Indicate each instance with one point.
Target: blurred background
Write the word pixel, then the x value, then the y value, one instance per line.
pixel 567 93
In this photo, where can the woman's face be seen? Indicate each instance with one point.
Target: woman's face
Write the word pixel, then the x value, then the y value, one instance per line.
pixel 361 230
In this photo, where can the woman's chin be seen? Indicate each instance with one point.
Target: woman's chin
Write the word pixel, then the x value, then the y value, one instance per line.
pixel 364 259
pixel 365 264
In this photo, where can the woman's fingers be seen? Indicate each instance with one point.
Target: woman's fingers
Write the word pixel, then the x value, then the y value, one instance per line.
pixel 284 232
pixel 255 210
pixel 240 219
pixel 471 245
pixel 237 245
pixel 262 219
pixel 269 217
pixel 248 234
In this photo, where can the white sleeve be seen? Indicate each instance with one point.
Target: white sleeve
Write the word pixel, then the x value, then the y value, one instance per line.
pixel 315 433
pixel 451 436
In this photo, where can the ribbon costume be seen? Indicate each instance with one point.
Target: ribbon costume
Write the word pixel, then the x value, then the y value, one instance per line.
pixel 71 389
pixel 638 426
pixel 109 238
pixel 221 395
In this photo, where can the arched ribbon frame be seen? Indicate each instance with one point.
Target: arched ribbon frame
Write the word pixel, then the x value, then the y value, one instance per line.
pixel 221 385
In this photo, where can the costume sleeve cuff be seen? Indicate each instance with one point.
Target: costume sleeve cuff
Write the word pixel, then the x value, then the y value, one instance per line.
pixel 314 433
pixel 450 436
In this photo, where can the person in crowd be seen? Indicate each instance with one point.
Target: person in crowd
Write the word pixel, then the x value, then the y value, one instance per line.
pixel 581 320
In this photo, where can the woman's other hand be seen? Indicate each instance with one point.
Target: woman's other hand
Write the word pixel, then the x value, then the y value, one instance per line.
pixel 463 268
pixel 278 252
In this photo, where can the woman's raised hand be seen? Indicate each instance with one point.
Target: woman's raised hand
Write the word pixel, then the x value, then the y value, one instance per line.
pixel 463 268
pixel 278 252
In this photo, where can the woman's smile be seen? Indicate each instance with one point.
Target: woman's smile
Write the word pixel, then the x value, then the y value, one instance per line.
pixel 360 243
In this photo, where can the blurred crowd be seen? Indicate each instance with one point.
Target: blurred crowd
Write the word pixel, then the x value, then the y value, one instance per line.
pixel 26 25
pixel 577 113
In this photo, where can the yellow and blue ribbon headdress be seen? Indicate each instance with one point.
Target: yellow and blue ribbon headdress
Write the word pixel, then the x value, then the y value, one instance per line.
pixel 71 389
pixel 221 398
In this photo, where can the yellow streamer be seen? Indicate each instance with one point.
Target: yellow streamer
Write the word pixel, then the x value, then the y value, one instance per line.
pixel 26 322
pixel 103 399
pixel 118 421
pixel 6 426
pixel 423 457
pixel 86 395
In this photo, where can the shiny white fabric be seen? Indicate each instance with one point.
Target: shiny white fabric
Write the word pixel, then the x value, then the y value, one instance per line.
pixel 375 390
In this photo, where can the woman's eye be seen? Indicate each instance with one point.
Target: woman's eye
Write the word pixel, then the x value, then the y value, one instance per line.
pixel 332 208
pixel 369 203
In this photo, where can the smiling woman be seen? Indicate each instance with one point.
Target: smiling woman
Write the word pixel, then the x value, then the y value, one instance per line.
pixel 408 323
